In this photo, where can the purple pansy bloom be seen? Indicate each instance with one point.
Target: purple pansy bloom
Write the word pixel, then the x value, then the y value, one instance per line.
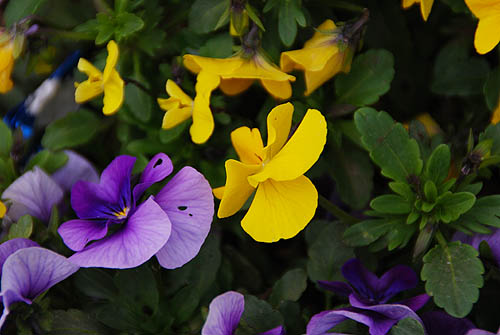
pixel 35 192
pixel 492 239
pixel 481 332
pixel 368 296
pixel 440 323
pixel 172 225
pixel 224 314
pixel 28 270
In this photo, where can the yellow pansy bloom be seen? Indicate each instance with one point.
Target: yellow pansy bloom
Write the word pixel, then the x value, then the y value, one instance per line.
pixel 285 200
pixel 179 107
pixel 425 6
pixel 232 75
pixel 320 59
pixel 108 82
pixel 487 32
pixel 3 209
pixel 6 62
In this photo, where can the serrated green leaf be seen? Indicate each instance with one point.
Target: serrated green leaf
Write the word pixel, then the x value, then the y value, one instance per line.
pixel 5 140
pixel 391 204
pixel 438 164
pixel 205 15
pixel 455 73
pixel 452 205
pixel 486 211
pixel 370 77
pixel 389 145
pixel 408 326
pixel 22 228
pixel 326 250
pixel 48 160
pixel 127 24
pixel 453 276
pixel 366 232
pixel 71 131
pixel 19 9
pixel 289 287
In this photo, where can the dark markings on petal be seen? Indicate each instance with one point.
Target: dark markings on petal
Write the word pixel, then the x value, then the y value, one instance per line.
pixel 158 162
pixel 182 208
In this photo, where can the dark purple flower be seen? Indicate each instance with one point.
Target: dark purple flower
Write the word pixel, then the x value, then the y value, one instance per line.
pixel 224 314
pixel 173 225
pixel 481 332
pixel 28 271
pixel 368 295
pixel 492 239
pixel 440 323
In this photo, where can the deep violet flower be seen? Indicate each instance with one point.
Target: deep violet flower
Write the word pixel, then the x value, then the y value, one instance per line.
pixel 368 296
pixel 492 239
pixel 224 314
pixel 440 323
pixel 28 270
pixel 171 225
pixel 35 192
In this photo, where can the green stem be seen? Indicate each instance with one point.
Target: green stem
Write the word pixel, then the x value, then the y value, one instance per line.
pixel 335 210
pixel 441 240
pixel 66 34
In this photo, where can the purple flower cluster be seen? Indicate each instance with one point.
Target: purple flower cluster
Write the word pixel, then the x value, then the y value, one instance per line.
pixel 114 230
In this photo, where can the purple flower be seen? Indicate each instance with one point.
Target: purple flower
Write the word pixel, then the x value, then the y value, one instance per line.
pixel 35 192
pixel 368 295
pixel 492 239
pixel 28 271
pixel 224 314
pixel 172 225
pixel 440 323
pixel 481 332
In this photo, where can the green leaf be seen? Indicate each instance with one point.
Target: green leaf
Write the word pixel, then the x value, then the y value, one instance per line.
pixel 287 25
pixel 492 132
pixel 167 136
pixel 71 131
pixel 289 287
pixel 106 28
pixel 455 73
pixel 138 102
pixel 438 164
pixel 75 322
pixel 491 89
pixel 48 160
pixel 205 14
pixel 352 172
pixel 219 46
pixel 366 232
pixel 370 77
pixel 259 316
pixel 19 9
pixel 254 16
pixel 326 250
pixel 391 204
pixel 408 326
pixel 389 144
pixel 96 283
pixel 184 303
pixel 452 205
pixel 126 25
pixel 403 189
pixel 486 211
pixel 5 140
pixel 453 276
pixel 22 228
pixel 430 191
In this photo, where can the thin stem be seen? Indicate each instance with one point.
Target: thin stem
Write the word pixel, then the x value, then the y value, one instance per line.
pixel 336 211
pixel 441 240
pixel 141 86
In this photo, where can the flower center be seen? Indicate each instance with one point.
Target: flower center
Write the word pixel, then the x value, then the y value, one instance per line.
pixel 123 214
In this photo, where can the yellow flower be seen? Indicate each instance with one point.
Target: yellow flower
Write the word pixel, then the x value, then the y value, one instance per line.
pixel 487 32
pixel 6 62
pixel 425 6
pixel 179 107
pixel 232 75
pixel 285 200
pixel 3 209
pixel 321 58
pixel 108 82
pixel 495 117
pixel 431 126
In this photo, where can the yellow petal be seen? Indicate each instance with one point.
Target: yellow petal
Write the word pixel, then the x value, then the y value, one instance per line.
pixel 248 145
pixel 315 79
pixel 280 209
pixel 3 210
pixel 319 38
pixel 279 122
pixel 311 59
pixel 278 89
pixel 219 192
pixel 430 124
pixel 203 121
pixel 258 67
pixel 483 8
pixel 175 116
pixel 299 153
pixel 87 90
pixel 235 86
pixel 6 83
pixel 487 33
pixel 113 93
pixel 495 117
pixel 168 104
pixel 409 3
pixel 6 57
pixel 219 66
pixel 90 70
pixel 110 60
pixel 425 8
pixel 237 190
pixel 176 92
